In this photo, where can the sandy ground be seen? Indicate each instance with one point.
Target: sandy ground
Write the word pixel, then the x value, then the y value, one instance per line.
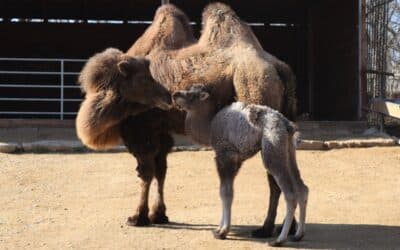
pixel 81 201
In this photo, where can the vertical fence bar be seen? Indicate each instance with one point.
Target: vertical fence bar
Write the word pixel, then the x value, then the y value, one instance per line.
pixel 377 21
pixel 62 90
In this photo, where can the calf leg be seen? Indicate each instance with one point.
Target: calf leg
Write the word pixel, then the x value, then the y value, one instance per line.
pixel 227 166
pixel 276 159
pixel 268 228
pixel 303 197
pixel 301 190
pixel 158 215
pixel 291 203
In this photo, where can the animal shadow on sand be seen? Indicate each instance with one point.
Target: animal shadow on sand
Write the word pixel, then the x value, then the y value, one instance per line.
pixel 318 236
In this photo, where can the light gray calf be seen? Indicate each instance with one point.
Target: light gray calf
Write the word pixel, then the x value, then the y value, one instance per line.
pixel 238 132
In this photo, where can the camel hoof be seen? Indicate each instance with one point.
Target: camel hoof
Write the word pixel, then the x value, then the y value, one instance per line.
pixel 158 218
pixel 262 232
pixel 275 243
pixel 220 234
pixel 296 237
pixel 138 221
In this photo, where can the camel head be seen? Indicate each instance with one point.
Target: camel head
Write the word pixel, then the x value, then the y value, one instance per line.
pixel 192 98
pixel 127 78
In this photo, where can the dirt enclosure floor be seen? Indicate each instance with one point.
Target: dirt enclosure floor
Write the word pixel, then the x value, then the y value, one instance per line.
pixel 81 201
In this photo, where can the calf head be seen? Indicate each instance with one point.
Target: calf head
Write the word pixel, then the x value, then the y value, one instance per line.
pixel 128 78
pixel 192 98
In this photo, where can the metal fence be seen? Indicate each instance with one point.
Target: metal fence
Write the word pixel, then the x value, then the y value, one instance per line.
pixel 377 21
pixel 39 87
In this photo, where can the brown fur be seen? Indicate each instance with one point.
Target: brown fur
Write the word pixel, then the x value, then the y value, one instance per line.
pixel 97 122
pixel 229 56
pixel 116 86
pixel 222 27
pixel 170 30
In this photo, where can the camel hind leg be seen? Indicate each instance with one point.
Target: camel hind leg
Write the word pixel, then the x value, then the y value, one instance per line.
pixel 303 197
pixel 276 160
pixel 301 190
pixel 267 229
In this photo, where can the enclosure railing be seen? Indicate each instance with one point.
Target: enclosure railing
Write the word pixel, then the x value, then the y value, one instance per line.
pixel 51 82
pixel 377 21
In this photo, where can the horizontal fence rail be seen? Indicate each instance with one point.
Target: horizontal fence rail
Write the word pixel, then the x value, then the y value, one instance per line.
pixel 39 87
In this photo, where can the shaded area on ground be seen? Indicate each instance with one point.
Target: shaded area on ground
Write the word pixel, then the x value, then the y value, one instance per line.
pixel 319 236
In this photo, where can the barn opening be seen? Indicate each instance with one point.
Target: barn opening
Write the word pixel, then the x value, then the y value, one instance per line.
pixel 319 39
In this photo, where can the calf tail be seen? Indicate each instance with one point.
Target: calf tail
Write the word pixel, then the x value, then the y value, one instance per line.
pixel 293 133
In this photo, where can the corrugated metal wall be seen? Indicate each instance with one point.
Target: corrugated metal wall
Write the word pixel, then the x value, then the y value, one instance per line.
pixel 317 38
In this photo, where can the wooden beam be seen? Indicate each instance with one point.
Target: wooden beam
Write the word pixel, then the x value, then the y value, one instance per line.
pixel 363 60
pixel 386 107
pixel 310 59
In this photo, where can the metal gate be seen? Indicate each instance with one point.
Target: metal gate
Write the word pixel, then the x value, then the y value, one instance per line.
pixel 39 88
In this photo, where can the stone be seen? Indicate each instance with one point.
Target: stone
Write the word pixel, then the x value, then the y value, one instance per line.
pixel 53 146
pixel 9 147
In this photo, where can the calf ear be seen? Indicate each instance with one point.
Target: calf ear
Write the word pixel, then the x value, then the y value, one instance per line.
pixel 204 95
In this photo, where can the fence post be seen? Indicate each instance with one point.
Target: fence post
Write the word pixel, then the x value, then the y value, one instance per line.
pixel 62 90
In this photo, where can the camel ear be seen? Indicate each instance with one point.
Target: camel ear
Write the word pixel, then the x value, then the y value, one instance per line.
pixel 204 95
pixel 125 68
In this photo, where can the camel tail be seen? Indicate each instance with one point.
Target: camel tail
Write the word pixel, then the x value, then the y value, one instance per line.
pixel 290 99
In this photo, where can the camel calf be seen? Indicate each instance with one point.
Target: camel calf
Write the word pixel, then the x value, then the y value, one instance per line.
pixel 236 133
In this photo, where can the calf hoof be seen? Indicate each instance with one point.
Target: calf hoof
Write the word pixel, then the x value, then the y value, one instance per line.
pixel 275 243
pixel 292 230
pixel 158 218
pixel 296 237
pixel 262 232
pixel 220 234
pixel 138 221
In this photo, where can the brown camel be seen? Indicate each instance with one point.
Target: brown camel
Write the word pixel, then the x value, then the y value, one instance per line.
pixel 116 87
pixel 229 59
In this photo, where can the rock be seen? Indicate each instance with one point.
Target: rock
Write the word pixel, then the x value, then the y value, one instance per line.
pixel 53 146
pixel 9 147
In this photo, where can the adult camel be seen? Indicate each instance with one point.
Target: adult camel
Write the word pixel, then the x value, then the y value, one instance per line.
pixel 229 59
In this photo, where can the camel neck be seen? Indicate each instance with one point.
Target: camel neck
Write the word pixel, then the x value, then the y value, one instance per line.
pixel 198 122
